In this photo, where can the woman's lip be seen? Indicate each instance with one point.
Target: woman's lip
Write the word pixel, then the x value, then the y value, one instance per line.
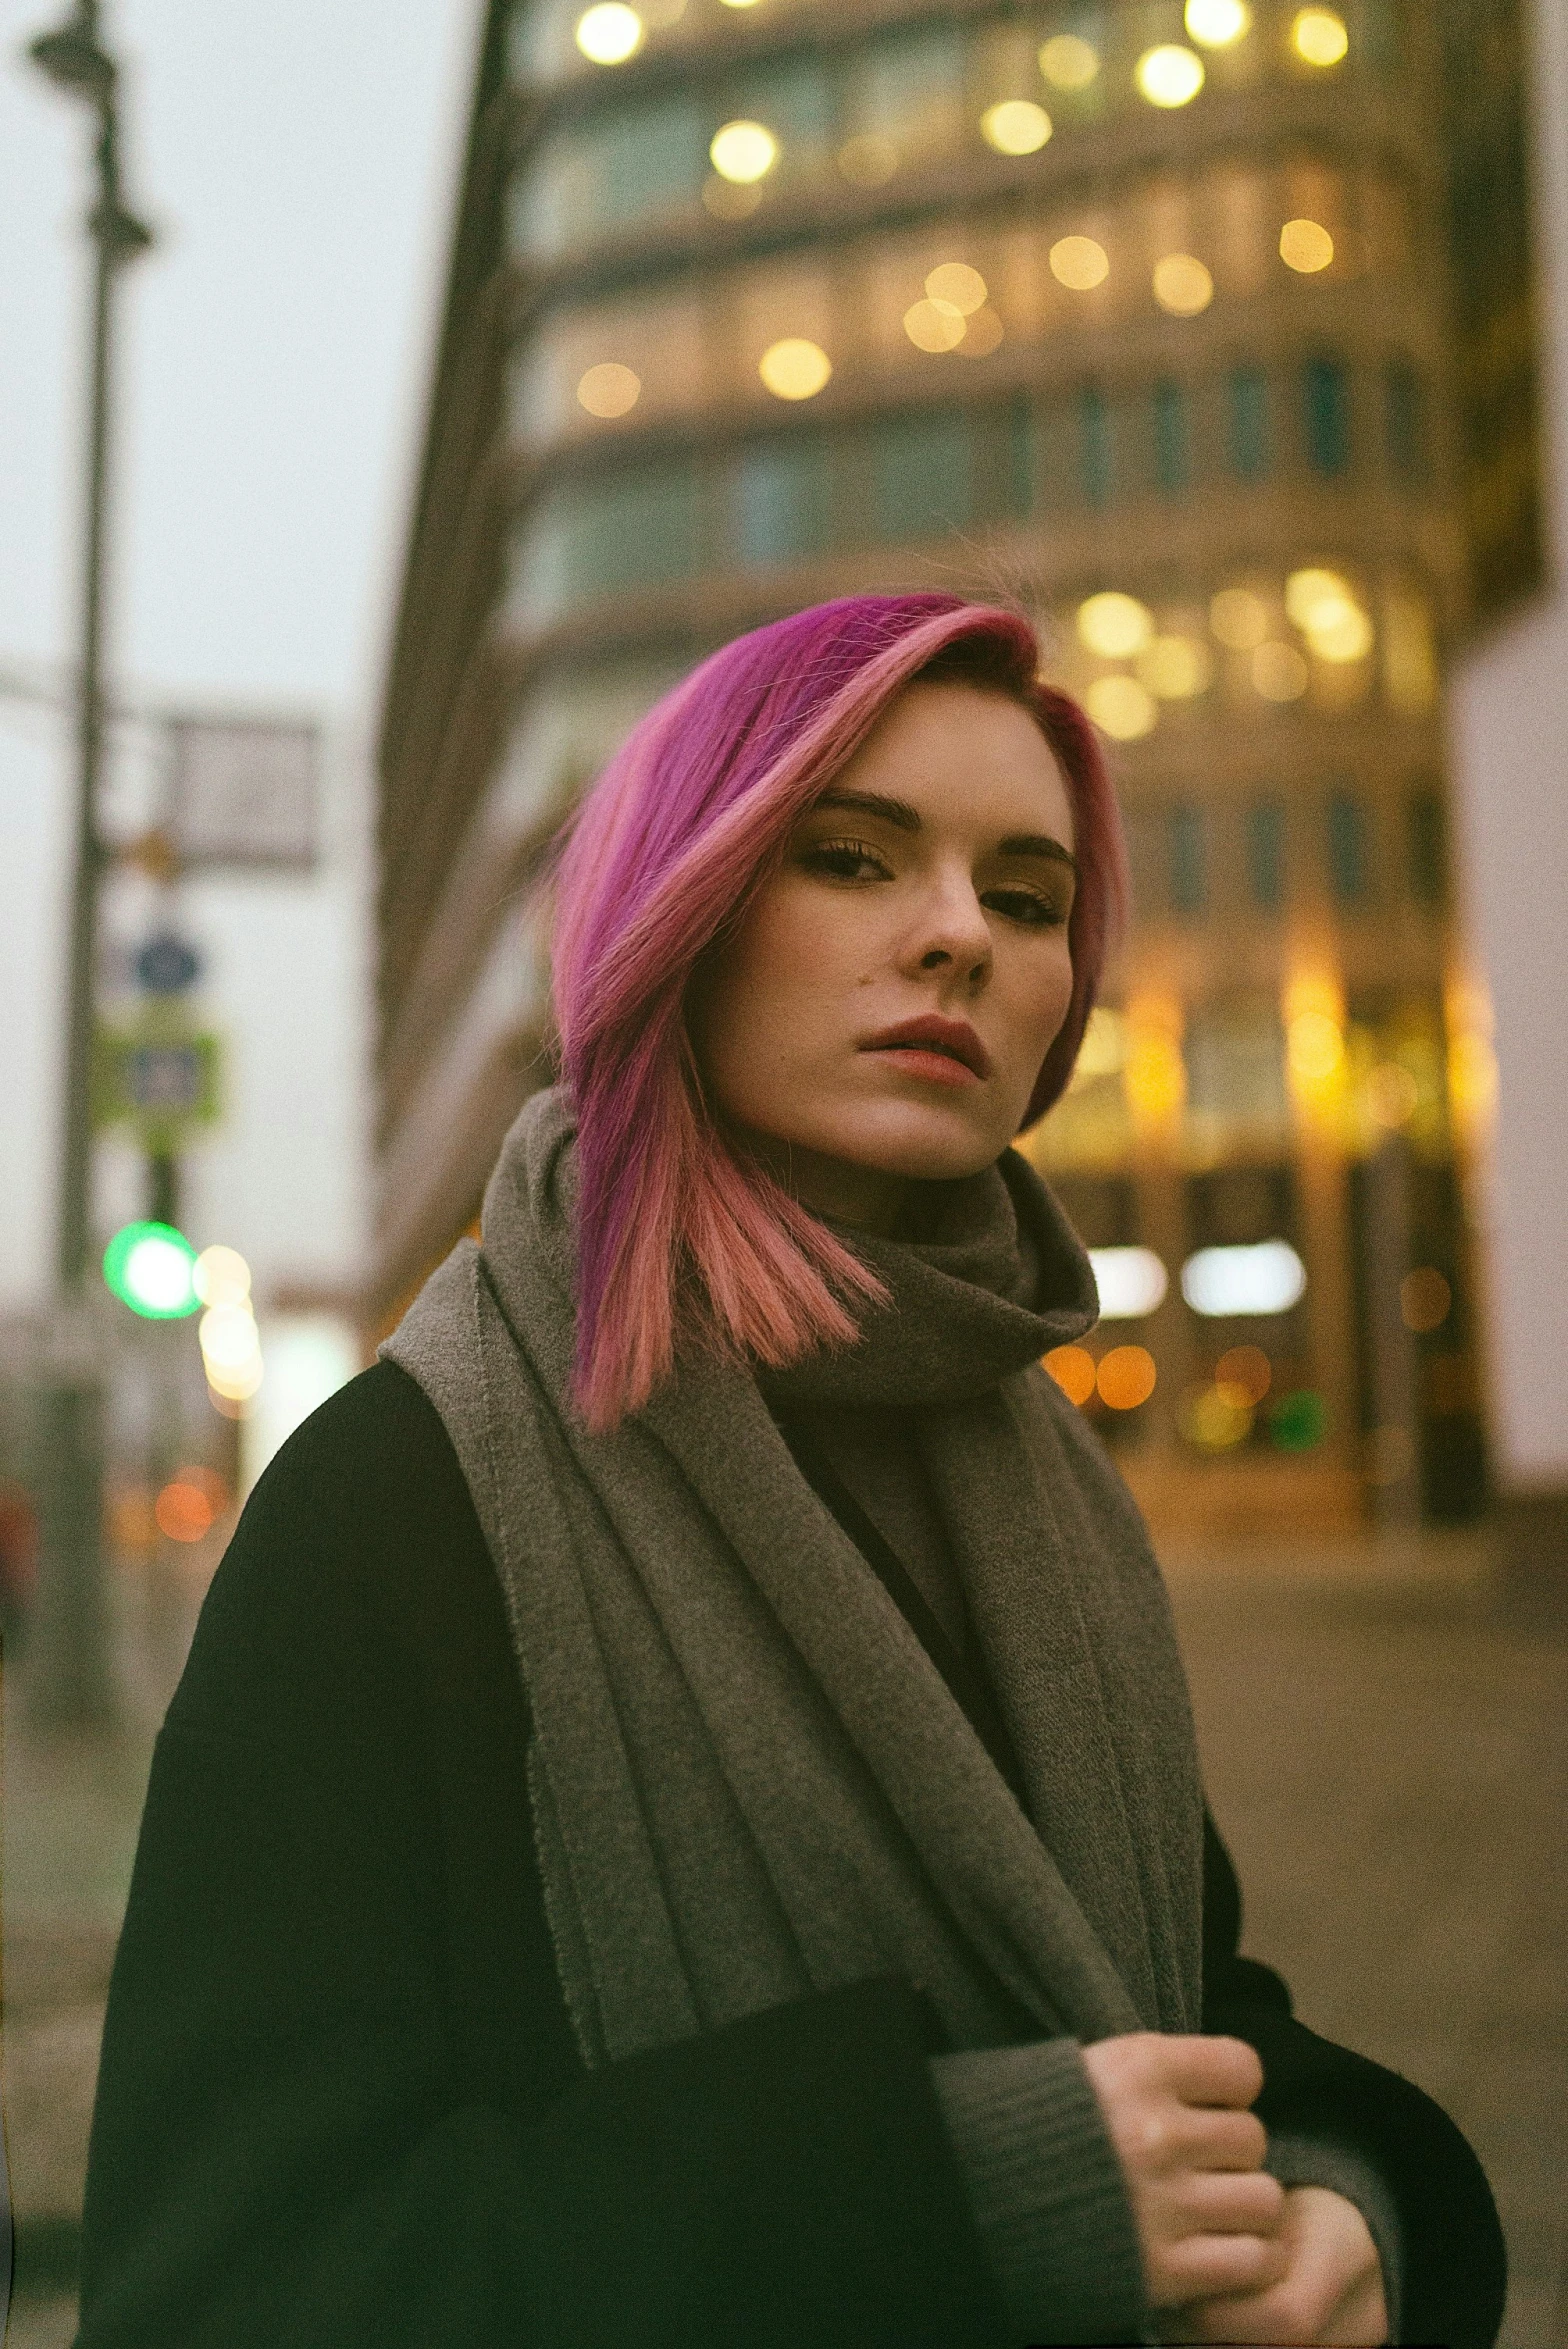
pixel 924 1060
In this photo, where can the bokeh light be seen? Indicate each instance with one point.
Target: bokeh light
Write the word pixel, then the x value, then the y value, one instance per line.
pixel 1214 1418
pixel 1169 75
pixel 743 152
pixel 1015 126
pixel 1126 1377
pixel 1262 1277
pixel 1318 36
pixel 1069 63
pixel 983 330
pixel 934 326
pixel 221 1276
pixel 1305 246
pixel 151 1267
pixel 1298 1421
pixel 1132 1282
pixel 1248 1370
pixel 1122 708
pixel 1115 626
pixel 955 282
pixel 1182 285
pixel 1079 263
pixel 609 32
pixel 1217 23
pixel 1278 672
pixel 1175 668
pixel 1072 1367
pixel 609 389
pixel 794 369
pixel 1239 618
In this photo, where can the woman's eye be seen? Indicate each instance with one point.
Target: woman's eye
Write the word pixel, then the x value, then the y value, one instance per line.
pixel 1022 905
pixel 846 860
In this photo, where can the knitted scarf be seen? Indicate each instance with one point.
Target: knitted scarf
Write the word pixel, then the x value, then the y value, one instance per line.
pixel 748 1780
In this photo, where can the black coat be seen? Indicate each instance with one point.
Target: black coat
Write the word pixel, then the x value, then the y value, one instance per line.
pixel 340 2104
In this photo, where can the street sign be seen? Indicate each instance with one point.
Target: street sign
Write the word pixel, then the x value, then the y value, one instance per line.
pixel 166 965
pixel 243 791
pixel 158 1077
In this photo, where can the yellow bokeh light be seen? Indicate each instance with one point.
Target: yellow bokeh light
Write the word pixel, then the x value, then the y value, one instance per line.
pixel 1122 708
pixel 609 32
pixel 1126 1377
pixel 1079 263
pixel 1072 1367
pixel 1015 126
pixel 740 3
pixel 1155 1076
pixel 868 161
pixel 1169 75
pixel 794 369
pixel 1115 626
pixel 743 152
pixel 1239 618
pixel 934 326
pixel 1069 63
pixel 1305 246
pixel 1175 668
pixel 1214 1418
pixel 1392 1094
pixel 1319 37
pixel 1310 592
pixel 1217 23
pixel 609 389
pixel 983 330
pixel 1182 285
pixel 221 1276
pixel 955 282
pixel 1343 633
pixel 1278 672
pixel 1316 1045
pixel 1316 1062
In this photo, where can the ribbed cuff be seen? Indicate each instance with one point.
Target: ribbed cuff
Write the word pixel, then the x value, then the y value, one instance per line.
pixel 1300 2160
pixel 1047 2191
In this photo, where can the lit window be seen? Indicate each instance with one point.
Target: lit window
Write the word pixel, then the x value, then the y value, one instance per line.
pixel 743 152
pixel 1079 263
pixel 794 369
pixel 1319 36
pixel 1169 75
pixel 1182 285
pixel 1015 126
pixel 1069 63
pixel 609 389
pixel 609 32
pixel 1115 626
pixel 1305 246
pixel 1217 23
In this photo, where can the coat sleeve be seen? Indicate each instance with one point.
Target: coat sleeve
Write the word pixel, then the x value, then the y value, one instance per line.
pixel 1371 2123
pixel 339 2105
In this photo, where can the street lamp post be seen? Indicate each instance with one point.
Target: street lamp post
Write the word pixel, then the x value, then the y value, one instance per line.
pixel 70 1673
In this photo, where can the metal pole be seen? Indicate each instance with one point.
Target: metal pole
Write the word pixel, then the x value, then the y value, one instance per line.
pixel 71 1682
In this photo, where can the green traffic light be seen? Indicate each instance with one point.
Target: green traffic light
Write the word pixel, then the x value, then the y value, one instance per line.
pixel 151 1268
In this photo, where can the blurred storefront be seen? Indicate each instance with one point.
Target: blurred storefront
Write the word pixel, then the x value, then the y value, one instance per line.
pixel 1142 314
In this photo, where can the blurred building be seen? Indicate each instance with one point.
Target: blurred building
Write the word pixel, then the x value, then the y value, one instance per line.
pixel 1144 315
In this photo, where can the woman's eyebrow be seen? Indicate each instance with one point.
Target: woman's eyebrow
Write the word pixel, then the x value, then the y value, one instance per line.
pixel 899 812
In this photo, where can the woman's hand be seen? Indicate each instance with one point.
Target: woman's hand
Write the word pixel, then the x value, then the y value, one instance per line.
pixel 1331 2292
pixel 1210 2218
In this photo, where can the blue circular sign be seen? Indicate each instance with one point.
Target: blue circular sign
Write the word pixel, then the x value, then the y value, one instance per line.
pixel 166 965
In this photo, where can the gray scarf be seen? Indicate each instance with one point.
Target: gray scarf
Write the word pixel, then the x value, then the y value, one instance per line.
pixel 748 1780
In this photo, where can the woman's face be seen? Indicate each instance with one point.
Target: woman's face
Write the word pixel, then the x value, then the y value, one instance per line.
pixel 930 882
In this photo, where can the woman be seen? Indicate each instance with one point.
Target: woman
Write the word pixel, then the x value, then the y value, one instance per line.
pixel 681 1823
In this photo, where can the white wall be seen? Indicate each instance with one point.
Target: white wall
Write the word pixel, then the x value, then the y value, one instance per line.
pixel 1509 715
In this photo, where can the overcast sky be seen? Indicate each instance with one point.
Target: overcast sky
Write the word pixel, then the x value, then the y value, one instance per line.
pixel 297 162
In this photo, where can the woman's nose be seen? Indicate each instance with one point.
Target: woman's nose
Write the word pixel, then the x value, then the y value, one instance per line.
pixel 954 930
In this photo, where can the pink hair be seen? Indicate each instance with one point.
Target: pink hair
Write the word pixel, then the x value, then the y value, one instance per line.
pixel 677 1239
